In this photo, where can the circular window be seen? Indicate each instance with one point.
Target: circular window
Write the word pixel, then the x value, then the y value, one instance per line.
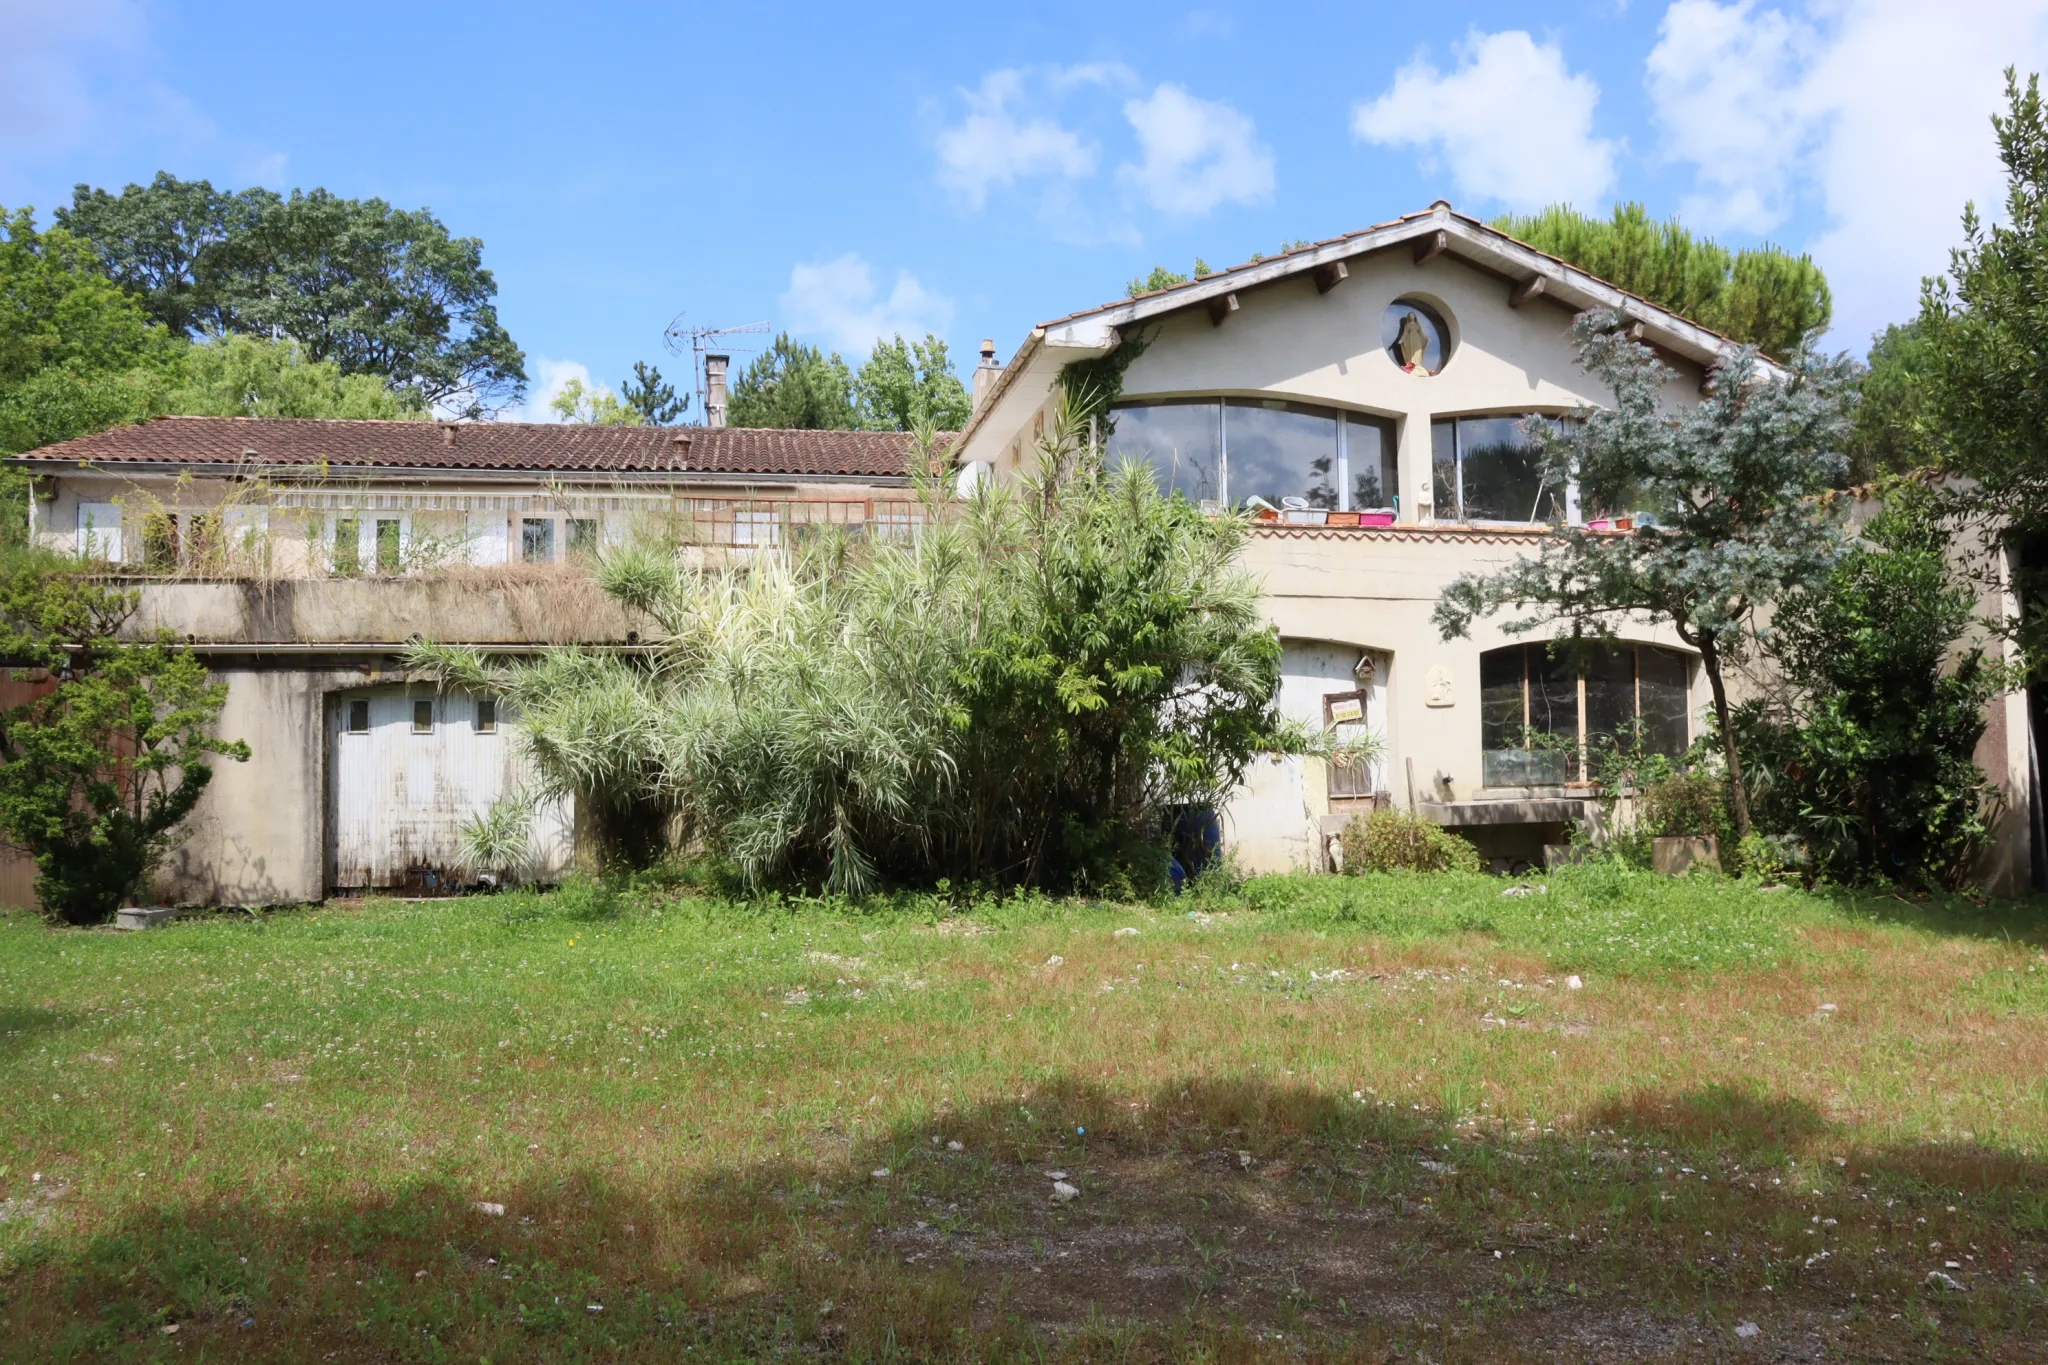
pixel 1415 336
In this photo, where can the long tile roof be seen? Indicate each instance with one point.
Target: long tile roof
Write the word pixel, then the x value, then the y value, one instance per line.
pixel 512 447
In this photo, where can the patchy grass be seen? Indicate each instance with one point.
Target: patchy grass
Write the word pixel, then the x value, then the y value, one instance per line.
pixel 1334 1118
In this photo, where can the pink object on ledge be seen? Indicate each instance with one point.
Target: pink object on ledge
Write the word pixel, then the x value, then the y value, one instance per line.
pixel 1375 518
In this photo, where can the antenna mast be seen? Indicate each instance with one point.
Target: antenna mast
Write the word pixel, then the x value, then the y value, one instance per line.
pixel 700 341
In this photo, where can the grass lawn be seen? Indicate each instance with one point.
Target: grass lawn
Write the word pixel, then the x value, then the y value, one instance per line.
pixel 1316 1118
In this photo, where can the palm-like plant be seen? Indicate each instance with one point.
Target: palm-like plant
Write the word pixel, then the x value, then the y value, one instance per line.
pixel 1017 693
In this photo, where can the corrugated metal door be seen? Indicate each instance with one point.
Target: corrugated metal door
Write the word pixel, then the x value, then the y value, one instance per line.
pixel 406 767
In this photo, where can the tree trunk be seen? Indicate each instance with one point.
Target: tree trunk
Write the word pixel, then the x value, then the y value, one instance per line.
pixel 1738 790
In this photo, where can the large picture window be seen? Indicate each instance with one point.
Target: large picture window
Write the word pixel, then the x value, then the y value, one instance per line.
pixel 1543 716
pixel 1486 469
pixel 1231 450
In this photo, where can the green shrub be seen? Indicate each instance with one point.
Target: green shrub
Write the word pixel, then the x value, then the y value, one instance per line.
pixel 1395 841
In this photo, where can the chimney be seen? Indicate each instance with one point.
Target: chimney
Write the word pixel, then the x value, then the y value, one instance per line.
pixel 714 389
pixel 986 373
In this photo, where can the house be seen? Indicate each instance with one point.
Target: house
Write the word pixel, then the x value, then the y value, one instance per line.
pixel 1370 389
pixel 300 558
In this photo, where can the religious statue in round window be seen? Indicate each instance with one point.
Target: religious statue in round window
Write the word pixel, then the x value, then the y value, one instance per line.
pixel 1415 336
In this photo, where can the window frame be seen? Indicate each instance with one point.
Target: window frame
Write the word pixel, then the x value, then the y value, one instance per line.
pixel 1577 757
pixel 486 719
pixel 1344 418
pixel 423 707
pixel 357 706
pixel 1567 497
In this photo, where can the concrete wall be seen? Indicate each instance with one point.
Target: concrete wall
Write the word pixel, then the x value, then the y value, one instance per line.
pixel 1376 590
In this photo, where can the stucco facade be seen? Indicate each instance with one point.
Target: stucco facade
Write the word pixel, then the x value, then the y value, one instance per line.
pixel 1310 333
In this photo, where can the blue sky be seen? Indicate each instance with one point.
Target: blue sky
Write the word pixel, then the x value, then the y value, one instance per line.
pixel 851 171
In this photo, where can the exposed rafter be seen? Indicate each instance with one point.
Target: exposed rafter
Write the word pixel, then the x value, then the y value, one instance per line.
pixel 1431 245
pixel 1220 308
pixel 1526 290
pixel 1328 277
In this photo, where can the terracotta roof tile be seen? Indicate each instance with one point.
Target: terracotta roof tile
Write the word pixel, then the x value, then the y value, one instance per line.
pixel 514 447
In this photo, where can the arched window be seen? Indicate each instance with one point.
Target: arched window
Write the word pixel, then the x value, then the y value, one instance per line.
pixel 1543 716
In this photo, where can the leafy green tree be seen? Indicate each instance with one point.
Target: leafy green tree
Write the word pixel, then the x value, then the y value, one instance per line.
pixel 647 395
pixel 594 406
pixel 165 243
pixel 1891 433
pixel 1162 278
pixel 58 310
pixel 1734 485
pixel 1867 753
pixel 374 289
pixel 1984 326
pixel 905 384
pixel 1764 296
pixel 794 386
pixel 98 775
pixel 243 376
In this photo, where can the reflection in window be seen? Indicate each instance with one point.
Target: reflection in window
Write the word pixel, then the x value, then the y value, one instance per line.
pixel 1281 450
pixel 348 547
pixel 537 540
pixel 1486 469
pixel 1241 448
pixel 1542 717
pixel 1183 442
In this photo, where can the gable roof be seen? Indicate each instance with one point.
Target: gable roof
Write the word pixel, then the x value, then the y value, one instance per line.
pixel 1437 230
pixel 485 447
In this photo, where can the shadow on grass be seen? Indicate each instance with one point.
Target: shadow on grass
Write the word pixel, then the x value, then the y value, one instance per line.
pixel 21 1025
pixel 1213 1219
pixel 2007 921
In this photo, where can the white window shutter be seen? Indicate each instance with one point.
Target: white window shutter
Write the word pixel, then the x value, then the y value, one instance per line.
pixel 99 531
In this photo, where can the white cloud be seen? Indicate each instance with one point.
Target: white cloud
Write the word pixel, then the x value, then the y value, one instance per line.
pixel 1512 124
pixel 550 377
pixel 1879 109
pixel 1197 154
pixel 1001 140
pixel 1721 83
pixel 840 301
pixel 82 75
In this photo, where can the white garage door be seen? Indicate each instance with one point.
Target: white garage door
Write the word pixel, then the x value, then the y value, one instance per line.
pixel 406 767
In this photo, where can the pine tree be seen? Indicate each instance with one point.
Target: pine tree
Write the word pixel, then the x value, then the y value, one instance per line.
pixel 654 401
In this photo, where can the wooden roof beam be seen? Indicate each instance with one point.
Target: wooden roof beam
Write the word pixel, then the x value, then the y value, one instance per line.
pixel 1220 308
pixel 1329 276
pixel 1432 245
pixel 1526 290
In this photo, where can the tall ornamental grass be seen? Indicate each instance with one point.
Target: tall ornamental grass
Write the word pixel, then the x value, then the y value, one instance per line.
pixel 1024 691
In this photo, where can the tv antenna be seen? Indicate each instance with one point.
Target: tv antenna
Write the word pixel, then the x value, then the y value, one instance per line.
pixel 701 341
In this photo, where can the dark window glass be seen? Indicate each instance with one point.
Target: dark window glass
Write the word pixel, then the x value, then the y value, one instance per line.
pixel 160 542
pixel 348 547
pixel 1502 698
pixel 1179 441
pixel 1369 455
pixel 1502 478
pixel 582 535
pixel 423 717
pixel 1443 453
pixel 1280 450
pixel 359 717
pixel 486 715
pixel 1610 694
pixel 1667 711
pixel 203 541
pixel 388 546
pixel 537 540
pixel 1553 695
